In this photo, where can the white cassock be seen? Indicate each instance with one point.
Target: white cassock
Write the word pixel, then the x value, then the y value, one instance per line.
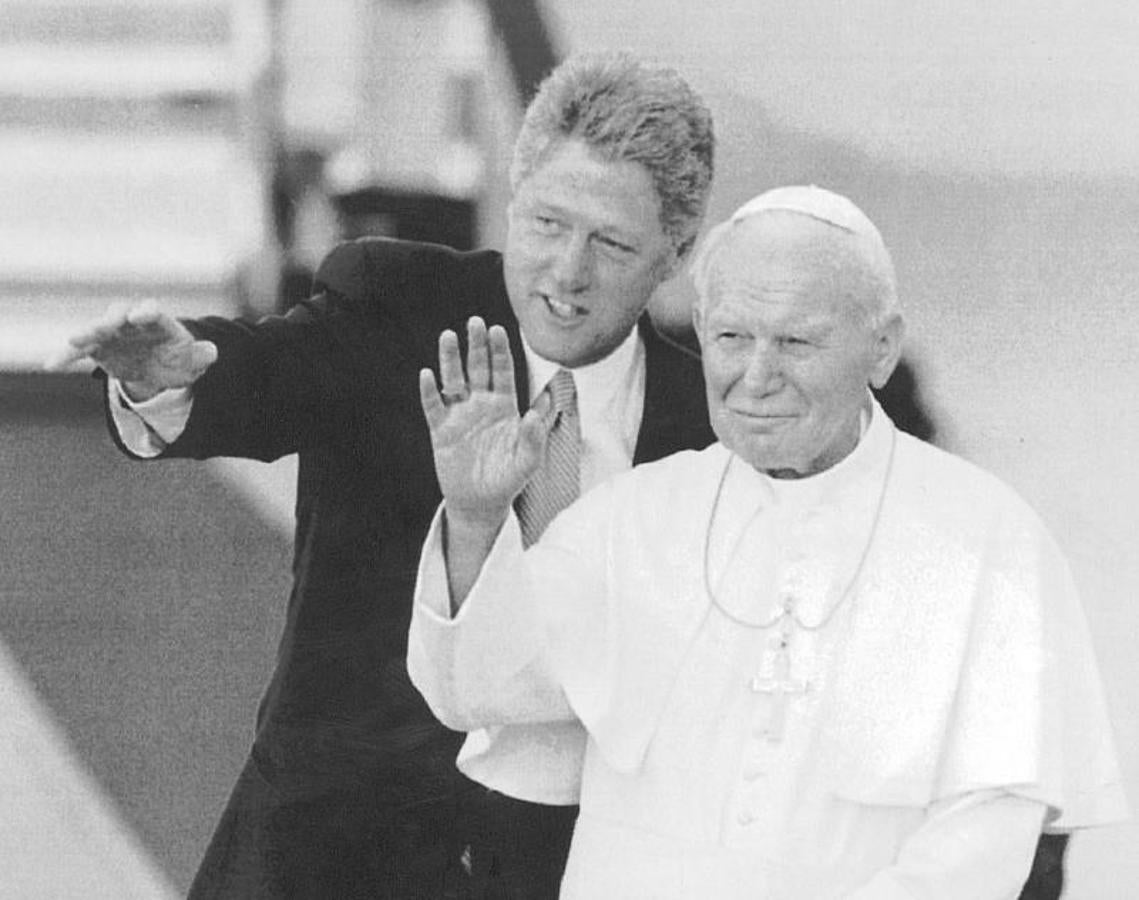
pixel 936 698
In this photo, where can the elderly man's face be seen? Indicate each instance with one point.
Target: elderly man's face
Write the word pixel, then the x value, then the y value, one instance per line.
pixel 584 252
pixel 788 352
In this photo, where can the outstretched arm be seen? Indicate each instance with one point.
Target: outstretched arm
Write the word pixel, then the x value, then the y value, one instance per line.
pixel 484 452
pixel 148 350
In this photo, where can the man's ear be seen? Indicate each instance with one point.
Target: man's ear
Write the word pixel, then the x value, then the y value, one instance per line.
pixel 888 340
pixel 669 265
pixel 698 317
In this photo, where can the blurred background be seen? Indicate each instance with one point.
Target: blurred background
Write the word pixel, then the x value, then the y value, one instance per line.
pixel 208 153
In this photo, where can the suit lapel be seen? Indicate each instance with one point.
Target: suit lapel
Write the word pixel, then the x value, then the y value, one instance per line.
pixel 521 370
pixel 675 413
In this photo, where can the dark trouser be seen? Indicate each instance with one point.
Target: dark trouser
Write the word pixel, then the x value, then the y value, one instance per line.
pixel 346 844
pixel 517 850
pixel 471 845
pixel 1046 880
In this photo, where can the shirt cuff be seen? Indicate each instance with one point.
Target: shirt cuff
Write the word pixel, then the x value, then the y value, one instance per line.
pixel 148 427
pixel 432 593
pixel 495 633
pixel 432 596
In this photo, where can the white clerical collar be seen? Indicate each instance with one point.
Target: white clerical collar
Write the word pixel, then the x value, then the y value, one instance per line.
pixel 598 383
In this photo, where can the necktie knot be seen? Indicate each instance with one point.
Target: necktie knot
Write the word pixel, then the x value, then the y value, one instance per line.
pixel 563 393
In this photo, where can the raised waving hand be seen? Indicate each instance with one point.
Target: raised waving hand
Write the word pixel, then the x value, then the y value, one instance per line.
pixel 484 451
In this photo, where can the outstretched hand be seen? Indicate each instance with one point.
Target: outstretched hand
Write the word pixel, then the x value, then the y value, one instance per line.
pixel 484 451
pixel 146 349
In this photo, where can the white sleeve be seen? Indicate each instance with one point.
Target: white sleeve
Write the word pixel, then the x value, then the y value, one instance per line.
pixel 146 428
pixel 979 845
pixel 488 665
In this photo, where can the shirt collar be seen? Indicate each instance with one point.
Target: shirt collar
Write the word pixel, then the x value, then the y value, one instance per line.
pixel 597 383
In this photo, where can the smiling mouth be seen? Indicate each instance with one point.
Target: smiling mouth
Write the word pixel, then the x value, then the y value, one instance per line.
pixel 566 312
pixel 763 418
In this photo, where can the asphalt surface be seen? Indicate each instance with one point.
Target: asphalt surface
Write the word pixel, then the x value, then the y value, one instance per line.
pixel 143 603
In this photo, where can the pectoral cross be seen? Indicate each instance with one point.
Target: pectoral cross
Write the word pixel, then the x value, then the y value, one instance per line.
pixel 779 684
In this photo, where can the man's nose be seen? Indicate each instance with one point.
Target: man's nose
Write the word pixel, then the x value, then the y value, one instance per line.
pixel 573 264
pixel 763 374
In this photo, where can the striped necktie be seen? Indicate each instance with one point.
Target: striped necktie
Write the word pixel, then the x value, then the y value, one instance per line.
pixel 557 482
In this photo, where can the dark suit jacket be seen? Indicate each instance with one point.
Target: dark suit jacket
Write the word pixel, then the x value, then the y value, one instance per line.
pixel 335 380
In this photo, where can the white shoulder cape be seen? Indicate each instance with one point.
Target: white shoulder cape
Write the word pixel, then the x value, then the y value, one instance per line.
pixel 967 664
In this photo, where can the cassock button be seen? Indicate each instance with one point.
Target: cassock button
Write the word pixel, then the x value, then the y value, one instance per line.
pixel 753 771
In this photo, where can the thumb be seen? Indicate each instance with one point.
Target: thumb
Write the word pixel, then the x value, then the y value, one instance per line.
pixel 532 435
pixel 203 354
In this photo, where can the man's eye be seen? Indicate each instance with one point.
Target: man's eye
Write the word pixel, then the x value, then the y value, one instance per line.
pixel 545 224
pixel 615 246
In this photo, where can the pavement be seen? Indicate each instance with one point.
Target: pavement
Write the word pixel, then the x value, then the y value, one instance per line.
pixel 139 612
pixel 61 836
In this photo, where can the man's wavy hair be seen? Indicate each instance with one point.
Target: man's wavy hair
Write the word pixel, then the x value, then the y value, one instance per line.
pixel 624 109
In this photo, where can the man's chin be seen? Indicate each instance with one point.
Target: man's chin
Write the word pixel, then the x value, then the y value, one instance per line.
pixel 761 457
pixel 558 348
pixel 567 347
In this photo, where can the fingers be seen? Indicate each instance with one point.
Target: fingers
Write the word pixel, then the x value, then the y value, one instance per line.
pixel 128 340
pixel 478 362
pixel 144 314
pixel 62 358
pixel 121 320
pixel 147 320
pixel 489 363
pixel 93 336
pixel 113 323
pixel 429 398
pixel 88 340
pixel 501 361
pixel 451 377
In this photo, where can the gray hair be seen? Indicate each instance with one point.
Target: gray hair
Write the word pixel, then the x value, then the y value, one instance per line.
pixel 626 110
pixel 878 293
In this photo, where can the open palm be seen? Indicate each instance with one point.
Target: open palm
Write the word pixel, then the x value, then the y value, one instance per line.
pixel 484 451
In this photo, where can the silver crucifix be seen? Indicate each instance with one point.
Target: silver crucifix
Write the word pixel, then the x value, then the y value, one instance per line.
pixel 779 684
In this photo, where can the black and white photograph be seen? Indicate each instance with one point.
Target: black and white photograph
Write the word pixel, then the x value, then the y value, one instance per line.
pixel 537 449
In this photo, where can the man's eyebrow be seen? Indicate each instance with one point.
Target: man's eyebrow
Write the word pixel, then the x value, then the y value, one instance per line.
pixel 814 324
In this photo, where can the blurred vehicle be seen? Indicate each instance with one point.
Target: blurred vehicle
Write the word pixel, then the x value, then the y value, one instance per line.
pixel 135 161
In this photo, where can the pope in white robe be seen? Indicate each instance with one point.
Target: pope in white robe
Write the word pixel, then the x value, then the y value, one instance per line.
pixel 819 659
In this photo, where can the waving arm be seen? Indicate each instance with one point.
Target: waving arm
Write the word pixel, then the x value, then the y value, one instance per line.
pixel 484 452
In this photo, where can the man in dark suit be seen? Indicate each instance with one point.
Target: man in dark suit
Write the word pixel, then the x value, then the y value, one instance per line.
pixel 351 788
